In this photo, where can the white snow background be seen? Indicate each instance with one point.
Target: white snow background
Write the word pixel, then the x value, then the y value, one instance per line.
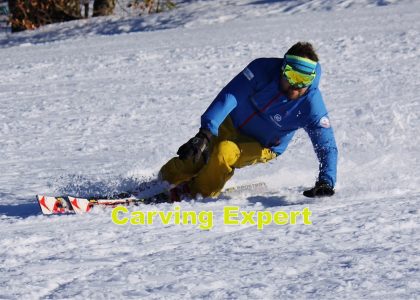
pixel 98 105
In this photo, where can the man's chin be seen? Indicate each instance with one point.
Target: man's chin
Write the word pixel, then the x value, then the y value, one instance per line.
pixel 292 96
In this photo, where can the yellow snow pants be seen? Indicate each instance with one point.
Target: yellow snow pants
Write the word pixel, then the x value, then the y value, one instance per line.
pixel 228 151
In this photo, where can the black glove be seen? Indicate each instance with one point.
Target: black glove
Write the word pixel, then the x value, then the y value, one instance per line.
pixel 321 189
pixel 196 147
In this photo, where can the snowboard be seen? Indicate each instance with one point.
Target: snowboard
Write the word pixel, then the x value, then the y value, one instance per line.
pixel 75 205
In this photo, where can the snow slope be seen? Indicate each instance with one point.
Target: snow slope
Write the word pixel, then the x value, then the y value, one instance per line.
pixel 87 111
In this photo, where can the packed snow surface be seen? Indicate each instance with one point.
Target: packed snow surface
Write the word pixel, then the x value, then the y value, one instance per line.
pixel 97 106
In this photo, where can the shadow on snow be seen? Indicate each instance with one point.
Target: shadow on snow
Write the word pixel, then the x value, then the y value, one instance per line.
pixel 274 201
pixel 23 210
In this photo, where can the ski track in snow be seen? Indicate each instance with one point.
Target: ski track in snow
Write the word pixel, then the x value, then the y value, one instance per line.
pixel 101 113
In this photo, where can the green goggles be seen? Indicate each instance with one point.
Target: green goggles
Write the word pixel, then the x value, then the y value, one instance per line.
pixel 299 71
pixel 297 79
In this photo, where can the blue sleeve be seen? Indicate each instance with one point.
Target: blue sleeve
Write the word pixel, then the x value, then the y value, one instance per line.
pixel 323 141
pixel 325 147
pixel 322 136
pixel 239 89
pixel 284 142
pixel 218 111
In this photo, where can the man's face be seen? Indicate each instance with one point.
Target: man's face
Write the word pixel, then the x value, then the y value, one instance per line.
pixel 291 93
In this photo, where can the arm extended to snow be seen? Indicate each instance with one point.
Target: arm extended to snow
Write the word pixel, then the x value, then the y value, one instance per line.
pixel 323 141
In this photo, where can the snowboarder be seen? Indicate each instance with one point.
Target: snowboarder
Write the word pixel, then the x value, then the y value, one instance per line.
pixel 252 120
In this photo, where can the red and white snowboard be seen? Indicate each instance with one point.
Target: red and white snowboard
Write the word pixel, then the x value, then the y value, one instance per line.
pixel 70 205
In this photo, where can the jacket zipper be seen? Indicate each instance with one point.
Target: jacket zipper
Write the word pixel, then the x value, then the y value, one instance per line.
pixel 260 111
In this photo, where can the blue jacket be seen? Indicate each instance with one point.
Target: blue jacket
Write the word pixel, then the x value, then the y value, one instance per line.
pixel 258 108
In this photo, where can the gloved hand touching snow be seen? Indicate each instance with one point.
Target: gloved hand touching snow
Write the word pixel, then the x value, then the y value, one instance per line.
pixel 321 189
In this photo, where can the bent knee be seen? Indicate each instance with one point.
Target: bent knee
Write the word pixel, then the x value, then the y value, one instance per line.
pixel 228 152
pixel 176 170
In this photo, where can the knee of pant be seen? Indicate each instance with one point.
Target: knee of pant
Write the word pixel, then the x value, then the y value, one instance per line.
pixel 227 152
pixel 176 171
pixel 166 172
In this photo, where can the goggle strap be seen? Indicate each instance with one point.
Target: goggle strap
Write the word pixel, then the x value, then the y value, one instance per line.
pixel 301 64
